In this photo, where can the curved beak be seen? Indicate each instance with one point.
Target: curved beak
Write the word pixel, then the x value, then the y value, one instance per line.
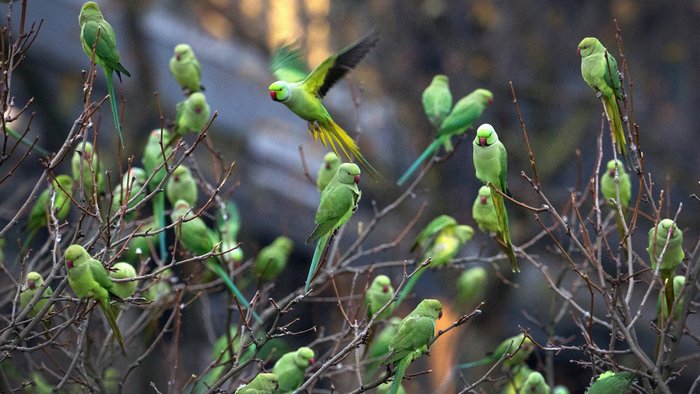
pixel 578 52
pixel 273 95
pixel 483 200
pixel 482 141
pixel 31 284
pixel 177 57
pixel 386 289
pixel 357 179
pixel 69 264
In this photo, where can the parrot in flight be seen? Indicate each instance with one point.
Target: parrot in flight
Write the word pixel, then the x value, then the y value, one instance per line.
pixel 96 33
pixel 612 382
pixel 518 347
pixel 263 383
pixel 413 337
pixel 491 164
pixel 666 235
pixel 88 278
pixel 607 187
pixel 31 286
pixel 185 68
pixel 39 216
pixel 291 367
pixel 303 96
pixel 328 168
pixel 379 293
pixel 460 119
pixel 338 202
pixel 599 70
pixel 440 241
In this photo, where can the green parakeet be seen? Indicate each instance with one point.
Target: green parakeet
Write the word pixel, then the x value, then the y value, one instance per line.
pixel 60 190
pixel 288 65
pixel 96 33
pixel 379 347
pixel 662 308
pixel 192 114
pixel 132 182
pixel 518 347
pixel 185 68
pixel 88 171
pixel 157 150
pixel 291 367
pixel 484 213
pixel 385 388
pixel 263 383
pixel 31 286
pixel 673 254
pixel 413 338
pixel 471 285
pixel 123 270
pixel 462 117
pixel 272 259
pixel 228 222
pixel 304 97
pixel 437 99
pixel 491 164
pixel 88 278
pixel 516 379
pixel 440 241
pixel 330 165
pixel 379 293
pixel 535 384
pixel 196 238
pixel 338 201
pixel 610 382
pixel 599 70
pixel 607 187
pixel 559 389
pixel 181 186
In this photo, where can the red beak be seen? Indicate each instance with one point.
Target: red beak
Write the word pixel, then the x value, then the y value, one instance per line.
pixel 198 109
pixel 482 141
pixel 69 264
pixel 440 315
pixel 311 361
pixel 670 232
pixel 578 52
pixel 31 284
pixel 273 95
pixel 386 289
pixel 328 166
pixel 177 57
pixel 483 200
pixel 357 179
pixel 612 172
pixel 490 101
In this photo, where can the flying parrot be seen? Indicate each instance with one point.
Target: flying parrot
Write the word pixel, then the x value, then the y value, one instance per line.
pixel 607 187
pixel 666 237
pixel 491 164
pixel 599 70
pixel 156 152
pixel 303 97
pixel 31 287
pixel 185 68
pixel 123 270
pixel 462 117
pixel 535 384
pixel 413 337
pixel 611 382
pixel 60 190
pixel 379 293
pixel 379 347
pixel 97 36
pixel 440 241
pixel 272 259
pixel 484 213
pixel 263 383
pixel 471 285
pixel 192 114
pixel 338 202
pixel 437 99
pixel 196 238
pixel 662 308
pixel 88 171
pixel 88 278
pixel 291 367
pixel 228 222
pixel 330 165
pixel 518 347
pixel 128 190
pixel 181 186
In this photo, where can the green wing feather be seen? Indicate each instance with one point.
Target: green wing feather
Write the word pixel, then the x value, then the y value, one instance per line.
pixel 287 64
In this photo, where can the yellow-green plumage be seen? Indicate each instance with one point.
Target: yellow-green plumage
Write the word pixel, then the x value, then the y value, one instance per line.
pixel 29 289
pixel 185 68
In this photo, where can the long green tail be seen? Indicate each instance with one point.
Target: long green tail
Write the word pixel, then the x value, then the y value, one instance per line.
pixel 113 102
pixel 318 252
pixel 221 273
pixel 112 320
pixel 502 214
pixel 406 290
pixel 159 213
pixel 424 156
pixel 616 123
pixel 400 372
pixel 476 363
pixel 19 138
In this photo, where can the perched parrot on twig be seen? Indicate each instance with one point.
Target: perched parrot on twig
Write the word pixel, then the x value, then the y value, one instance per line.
pixel 328 168
pixel 291 367
pixel 185 68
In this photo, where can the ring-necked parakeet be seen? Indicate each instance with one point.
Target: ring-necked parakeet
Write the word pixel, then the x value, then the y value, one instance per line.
pixel 560 389
pixel 437 99
pixel 192 114
pixel 379 293
pixel 272 259
pixel 88 278
pixel 610 382
pixel 185 68
pixel 338 201
pixel 385 388
pixel 304 97
pixel 87 169
pixel 484 213
pixel 31 286
pixel 291 367
pixel 328 168
pixel 196 238
pixel 157 150
pixel 379 347
pixel 92 24
pixel 535 384
pixel 62 186
pixel 263 383
pixel 462 117
pixel 471 285
pixel 413 336
pixel 181 186
pixel 440 241
pixel 228 222
pixel 599 70
pixel 672 256
pixel 518 347
pixel 516 379
pixel 132 182
pixel 123 270
pixel 607 187
pixel 662 308
pixel 491 164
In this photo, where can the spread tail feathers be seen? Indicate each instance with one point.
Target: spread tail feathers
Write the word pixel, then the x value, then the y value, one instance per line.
pixel 334 135
pixel 424 156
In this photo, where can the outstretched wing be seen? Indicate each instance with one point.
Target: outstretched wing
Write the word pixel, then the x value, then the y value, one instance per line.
pixel 287 64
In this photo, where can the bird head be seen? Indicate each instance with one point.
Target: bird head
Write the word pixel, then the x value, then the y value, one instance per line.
pixel 485 135
pixel 348 173
pixel 74 255
pixel 611 167
pixel 279 91
pixel 182 51
pixel 179 172
pixel 33 279
pixel 197 101
pixel 383 282
pixel 330 160
pixel 667 226
pixel 484 194
pixel 304 357
pixel 587 46
pixel 89 11
pixel 485 96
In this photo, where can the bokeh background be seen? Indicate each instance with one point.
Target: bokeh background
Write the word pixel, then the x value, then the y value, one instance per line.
pixel 481 43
